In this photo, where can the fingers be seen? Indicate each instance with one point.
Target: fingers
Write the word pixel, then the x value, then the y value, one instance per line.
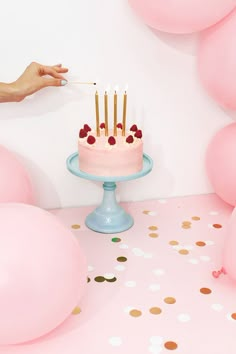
pixel 52 71
pixel 60 69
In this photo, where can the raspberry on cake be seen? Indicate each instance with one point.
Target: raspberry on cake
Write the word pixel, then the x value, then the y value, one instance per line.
pixel 111 140
pixel 82 133
pixel 134 128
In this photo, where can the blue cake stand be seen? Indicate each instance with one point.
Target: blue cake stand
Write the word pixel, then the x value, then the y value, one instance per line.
pixel 109 217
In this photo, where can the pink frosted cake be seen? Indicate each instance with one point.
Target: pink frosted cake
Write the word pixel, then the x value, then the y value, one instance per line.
pixel 114 154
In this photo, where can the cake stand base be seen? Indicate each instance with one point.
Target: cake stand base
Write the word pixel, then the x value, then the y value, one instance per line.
pixel 109 217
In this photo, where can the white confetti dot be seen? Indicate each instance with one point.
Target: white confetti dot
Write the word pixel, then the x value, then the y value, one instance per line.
pixel 147 255
pixel 138 252
pixel 115 341
pixel 159 272
pixel 120 267
pixel 209 243
pixel 152 213
pixel 128 309
pixel 217 307
pixel 188 247
pixel 205 258
pixel 193 261
pixel 90 268
pixel 123 246
pixel 155 350
pixel 154 287
pixel 162 201
pixel 156 340
pixel 214 212
pixel 184 317
pixel 177 247
pixel 109 275
pixel 229 317
pixel 130 283
pixel 210 226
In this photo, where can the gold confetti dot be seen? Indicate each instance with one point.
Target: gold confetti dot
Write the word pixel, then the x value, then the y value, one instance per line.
pixel 186 226
pixel 171 345
pixel 76 310
pixel 99 279
pixel 217 226
pixel 121 259
pixel 146 212
pixel 153 235
pixel 170 300
pixel 183 252
pixel 153 228
pixel 88 279
pixel 195 218
pixel 75 226
pixel 200 243
pixel 186 223
pixel 233 316
pixel 135 313
pixel 155 310
pixel 112 280
pixel 173 243
pixel 205 291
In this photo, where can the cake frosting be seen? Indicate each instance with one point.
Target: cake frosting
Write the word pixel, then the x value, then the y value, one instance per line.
pixel 110 155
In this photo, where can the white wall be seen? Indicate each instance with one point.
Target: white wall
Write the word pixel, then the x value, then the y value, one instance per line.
pixel 104 40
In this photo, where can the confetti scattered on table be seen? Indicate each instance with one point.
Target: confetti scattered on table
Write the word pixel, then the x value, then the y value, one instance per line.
pixel 150 289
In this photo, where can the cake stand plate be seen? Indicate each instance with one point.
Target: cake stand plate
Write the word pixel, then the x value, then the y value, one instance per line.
pixel 109 217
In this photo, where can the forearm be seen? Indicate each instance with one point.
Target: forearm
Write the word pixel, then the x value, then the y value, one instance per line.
pixel 8 93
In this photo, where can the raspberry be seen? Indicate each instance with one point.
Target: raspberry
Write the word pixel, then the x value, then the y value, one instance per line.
pixel 119 125
pixel 102 125
pixel 87 128
pixel 91 139
pixel 138 134
pixel 134 128
pixel 82 133
pixel 111 140
pixel 130 139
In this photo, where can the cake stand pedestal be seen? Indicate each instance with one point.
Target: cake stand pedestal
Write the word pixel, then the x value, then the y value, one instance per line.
pixel 109 217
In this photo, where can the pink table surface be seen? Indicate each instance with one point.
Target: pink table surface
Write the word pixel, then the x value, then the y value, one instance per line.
pixel 151 288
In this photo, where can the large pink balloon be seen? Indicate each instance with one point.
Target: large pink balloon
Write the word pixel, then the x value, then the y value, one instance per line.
pixel 221 163
pixel 229 249
pixel 182 16
pixel 15 185
pixel 42 272
pixel 216 59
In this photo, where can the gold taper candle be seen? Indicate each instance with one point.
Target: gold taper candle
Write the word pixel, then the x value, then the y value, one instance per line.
pixel 115 114
pixel 124 113
pixel 106 112
pixel 97 113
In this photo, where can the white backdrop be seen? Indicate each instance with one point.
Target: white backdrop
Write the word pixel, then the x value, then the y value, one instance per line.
pixel 104 40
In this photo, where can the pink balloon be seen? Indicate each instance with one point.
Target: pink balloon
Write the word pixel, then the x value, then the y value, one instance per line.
pixel 42 273
pixel 216 61
pixel 182 16
pixel 221 163
pixel 15 185
pixel 229 249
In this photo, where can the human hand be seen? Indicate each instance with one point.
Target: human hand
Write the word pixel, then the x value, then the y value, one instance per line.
pixel 35 77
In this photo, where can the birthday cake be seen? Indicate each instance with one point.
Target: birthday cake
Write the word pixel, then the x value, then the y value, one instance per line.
pixel 113 152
